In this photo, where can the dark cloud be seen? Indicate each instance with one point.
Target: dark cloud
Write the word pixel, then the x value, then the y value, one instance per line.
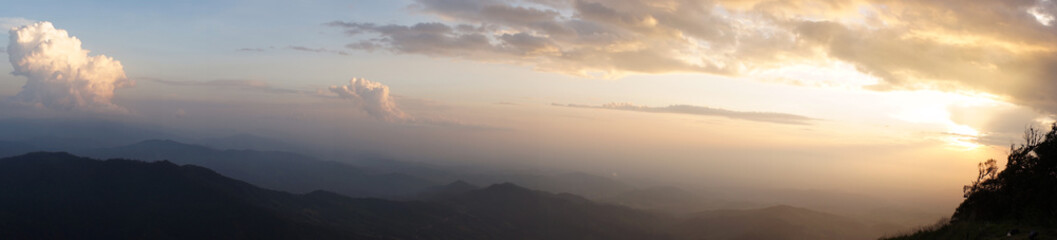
pixel 594 41
pixel 422 38
pixel 772 117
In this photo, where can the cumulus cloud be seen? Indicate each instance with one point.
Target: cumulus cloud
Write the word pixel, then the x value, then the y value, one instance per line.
pixel 371 97
pixel 772 117
pixel 374 99
pixel 59 73
pixel 996 46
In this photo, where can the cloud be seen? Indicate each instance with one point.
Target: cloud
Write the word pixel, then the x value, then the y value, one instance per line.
pixel 244 84
pixel 772 117
pixel 1000 47
pixel 372 98
pixel 573 37
pixel 295 48
pixel 317 50
pixel 60 74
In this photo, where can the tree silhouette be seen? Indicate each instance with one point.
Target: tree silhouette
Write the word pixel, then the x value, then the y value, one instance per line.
pixel 1024 192
pixel 987 171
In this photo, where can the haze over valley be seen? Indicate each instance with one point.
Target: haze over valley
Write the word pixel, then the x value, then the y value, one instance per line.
pixel 527 119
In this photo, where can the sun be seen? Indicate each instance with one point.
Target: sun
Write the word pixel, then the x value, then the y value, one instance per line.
pixel 963 137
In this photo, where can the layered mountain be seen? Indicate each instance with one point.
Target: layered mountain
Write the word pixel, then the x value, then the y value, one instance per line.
pixel 272 169
pixel 69 134
pixel 61 196
pixel 674 200
pixel 532 214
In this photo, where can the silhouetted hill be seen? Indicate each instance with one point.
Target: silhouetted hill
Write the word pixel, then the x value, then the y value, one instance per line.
pixel 384 165
pixel 248 142
pixel 446 191
pixel 272 169
pixel 673 200
pixel 587 185
pixel 778 222
pixel 1022 196
pixel 534 214
pixel 60 196
pixel 1025 192
pixel 872 210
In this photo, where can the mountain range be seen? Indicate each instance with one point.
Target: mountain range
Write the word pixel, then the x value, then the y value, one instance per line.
pixel 61 196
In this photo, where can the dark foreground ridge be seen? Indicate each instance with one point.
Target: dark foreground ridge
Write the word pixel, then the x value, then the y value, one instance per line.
pixel 1018 202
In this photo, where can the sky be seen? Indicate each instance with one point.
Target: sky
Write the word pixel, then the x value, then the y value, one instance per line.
pixel 876 96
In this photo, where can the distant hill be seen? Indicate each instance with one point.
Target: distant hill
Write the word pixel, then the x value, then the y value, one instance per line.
pixel 673 200
pixel 272 169
pixel 69 134
pixel 587 185
pixel 248 142
pixel 445 191
pixel 61 196
pixel 541 215
pixel 592 186
pixel 778 222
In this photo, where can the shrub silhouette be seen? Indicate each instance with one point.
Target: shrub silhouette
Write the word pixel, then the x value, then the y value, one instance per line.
pixel 1025 192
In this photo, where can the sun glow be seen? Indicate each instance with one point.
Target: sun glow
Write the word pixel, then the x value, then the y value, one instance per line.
pixel 932 110
pixel 963 137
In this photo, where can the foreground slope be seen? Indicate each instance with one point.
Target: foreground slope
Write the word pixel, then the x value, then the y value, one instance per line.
pixel 1021 198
